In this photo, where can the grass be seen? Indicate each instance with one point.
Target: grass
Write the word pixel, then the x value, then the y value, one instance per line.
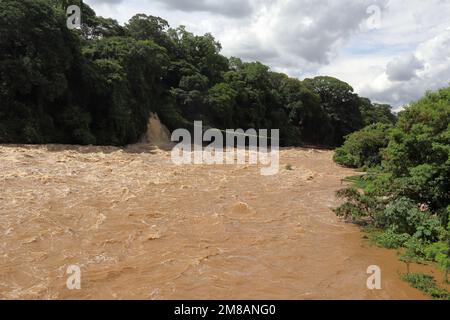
pixel 358 181
pixel 427 285
pixel 385 238
pixel 371 233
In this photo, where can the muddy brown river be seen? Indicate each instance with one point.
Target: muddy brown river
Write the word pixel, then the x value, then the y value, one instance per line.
pixel 140 227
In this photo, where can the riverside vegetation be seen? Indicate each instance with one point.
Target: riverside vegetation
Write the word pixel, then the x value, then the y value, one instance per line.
pixel 404 198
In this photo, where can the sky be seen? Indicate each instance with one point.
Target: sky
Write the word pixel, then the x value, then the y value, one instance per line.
pixel 391 51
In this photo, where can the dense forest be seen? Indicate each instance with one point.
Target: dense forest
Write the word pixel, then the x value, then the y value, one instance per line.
pixel 98 85
pixel 405 195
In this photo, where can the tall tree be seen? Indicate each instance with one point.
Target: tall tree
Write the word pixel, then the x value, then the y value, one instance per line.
pixel 341 104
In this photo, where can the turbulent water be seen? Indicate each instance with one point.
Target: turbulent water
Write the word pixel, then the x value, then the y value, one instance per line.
pixel 140 227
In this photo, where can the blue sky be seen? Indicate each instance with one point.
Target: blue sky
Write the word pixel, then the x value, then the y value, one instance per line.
pixel 391 51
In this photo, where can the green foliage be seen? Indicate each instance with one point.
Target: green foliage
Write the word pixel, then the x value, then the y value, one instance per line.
pixel 415 251
pixel 363 147
pixel 433 251
pixel 439 253
pixel 347 112
pixel 222 101
pixel 359 182
pixel 376 113
pixel 418 154
pixel 426 284
pixel 409 180
pixel 35 69
pixel 358 206
pixel 403 216
pixel 98 85
pixel 144 27
pixel 391 239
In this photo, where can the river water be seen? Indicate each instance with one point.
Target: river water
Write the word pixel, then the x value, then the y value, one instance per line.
pixel 140 227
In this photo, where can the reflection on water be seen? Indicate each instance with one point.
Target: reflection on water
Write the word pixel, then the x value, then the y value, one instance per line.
pixel 140 227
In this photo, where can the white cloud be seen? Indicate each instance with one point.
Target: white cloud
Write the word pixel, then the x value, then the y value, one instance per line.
pixel 405 55
pixel 403 68
pixel 431 72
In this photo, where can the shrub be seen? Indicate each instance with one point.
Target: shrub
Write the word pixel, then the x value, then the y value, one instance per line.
pixel 403 216
pixel 391 240
pixel 426 284
pixel 362 148
pixel 358 205
pixel 435 250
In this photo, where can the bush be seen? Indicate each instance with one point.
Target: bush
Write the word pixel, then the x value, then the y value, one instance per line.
pixel 357 207
pixel 434 251
pixel 363 148
pixel 403 216
pixel 426 284
pixel 391 240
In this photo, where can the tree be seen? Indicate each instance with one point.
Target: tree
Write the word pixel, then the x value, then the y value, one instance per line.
pixel 341 104
pixel 92 26
pixel 37 57
pixel 411 254
pixel 203 52
pixel 145 27
pixel 373 113
pixel 126 86
pixel 222 101
pixel 418 153
pixel 98 84
pixel 363 148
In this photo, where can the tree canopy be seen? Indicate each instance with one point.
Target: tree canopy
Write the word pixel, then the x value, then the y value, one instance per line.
pixel 98 85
